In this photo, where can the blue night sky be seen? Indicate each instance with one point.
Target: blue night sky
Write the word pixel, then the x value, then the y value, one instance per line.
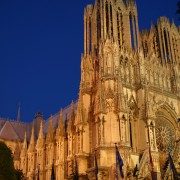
pixel 41 42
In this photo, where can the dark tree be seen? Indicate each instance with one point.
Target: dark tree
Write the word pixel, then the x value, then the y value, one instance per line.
pixel 19 175
pixel 7 170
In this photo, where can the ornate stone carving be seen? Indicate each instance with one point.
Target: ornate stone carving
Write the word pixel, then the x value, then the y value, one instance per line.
pixel 165 135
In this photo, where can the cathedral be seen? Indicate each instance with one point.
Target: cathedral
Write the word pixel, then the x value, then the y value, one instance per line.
pixel 129 101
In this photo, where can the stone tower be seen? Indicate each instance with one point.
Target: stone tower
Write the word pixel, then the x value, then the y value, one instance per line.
pixel 110 19
pixel 119 81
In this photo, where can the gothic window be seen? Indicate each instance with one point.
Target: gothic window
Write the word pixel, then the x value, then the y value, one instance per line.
pixel 107 18
pixel 166 45
pixel 79 145
pixel 154 45
pixel 135 31
pixel 163 48
pixel 132 31
pixel 111 16
pixel 174 48
pixel 157 43
pixel 118 29
pixel 98 25
pixel 145 48
pixel 170 48
pixel 131 139
pixel 90 36
pixel 121 60
pixel 47 159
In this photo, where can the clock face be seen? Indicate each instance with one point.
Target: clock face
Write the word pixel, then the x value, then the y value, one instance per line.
pixel 165 135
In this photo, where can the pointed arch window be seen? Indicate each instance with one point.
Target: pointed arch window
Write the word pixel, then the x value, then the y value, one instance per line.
pixel 107 18
pixel 118 28
pixel 111 19
pixel 133 31
pixel 98 22
pixel 174 46
pixel 145 48
pixel 90 36
pixel 119 19
pixel 166 44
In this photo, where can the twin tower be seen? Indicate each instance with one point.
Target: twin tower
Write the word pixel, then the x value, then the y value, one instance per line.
pixel 113 19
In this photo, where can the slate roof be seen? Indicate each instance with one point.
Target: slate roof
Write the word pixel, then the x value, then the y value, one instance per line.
pixel 8 133
pixel 15 130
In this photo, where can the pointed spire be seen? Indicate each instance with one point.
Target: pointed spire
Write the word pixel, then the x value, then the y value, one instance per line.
pixel 50 130
pixel 61 124
pixel 32 140
pixel 72 105
pixel 32 135
pixel 50 124
pixel 19 112
pixel 60 117
pixel 25 141
pixel 40 140
pixel 80 110
pixel 72 110
pixel 41 131
pixel 24 148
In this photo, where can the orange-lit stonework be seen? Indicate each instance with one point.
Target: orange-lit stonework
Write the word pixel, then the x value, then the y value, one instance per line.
pixel 129 94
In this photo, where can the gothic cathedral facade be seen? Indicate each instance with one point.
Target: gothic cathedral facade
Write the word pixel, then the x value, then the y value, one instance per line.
pixel 129 95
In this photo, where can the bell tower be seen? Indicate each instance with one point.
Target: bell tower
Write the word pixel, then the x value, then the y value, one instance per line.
pixel 111 19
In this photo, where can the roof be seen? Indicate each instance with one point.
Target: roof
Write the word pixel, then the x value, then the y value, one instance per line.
pixel 15 130
pixel 8 132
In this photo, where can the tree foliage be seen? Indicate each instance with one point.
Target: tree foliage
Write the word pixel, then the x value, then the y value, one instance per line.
pixel 7 170
pixel 19 175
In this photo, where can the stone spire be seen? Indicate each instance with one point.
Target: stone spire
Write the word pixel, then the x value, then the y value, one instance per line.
pixel 61 124
pixel 25 141
pixel 32 140
pixel 40 140
pixel 32 135
pixel 24 148
pixel 80 112
pixel 72 110
pixel 41 136
pixel 50 136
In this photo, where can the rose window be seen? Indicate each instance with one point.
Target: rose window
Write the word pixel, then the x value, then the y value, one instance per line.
pixel 164 135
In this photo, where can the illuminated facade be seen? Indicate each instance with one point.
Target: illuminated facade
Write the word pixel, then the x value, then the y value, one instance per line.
pixel 129 94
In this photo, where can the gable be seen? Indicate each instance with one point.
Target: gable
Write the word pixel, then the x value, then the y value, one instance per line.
pixel 8 133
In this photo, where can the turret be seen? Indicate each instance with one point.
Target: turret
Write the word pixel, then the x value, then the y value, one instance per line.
pixel 23 155
pixel 50 133
pixel 32 140
pixel 31 154
pixel 40 161
pixel 61 125
pixel 24 148
pixel 50 146
pixel 40 140
pixel 61 147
